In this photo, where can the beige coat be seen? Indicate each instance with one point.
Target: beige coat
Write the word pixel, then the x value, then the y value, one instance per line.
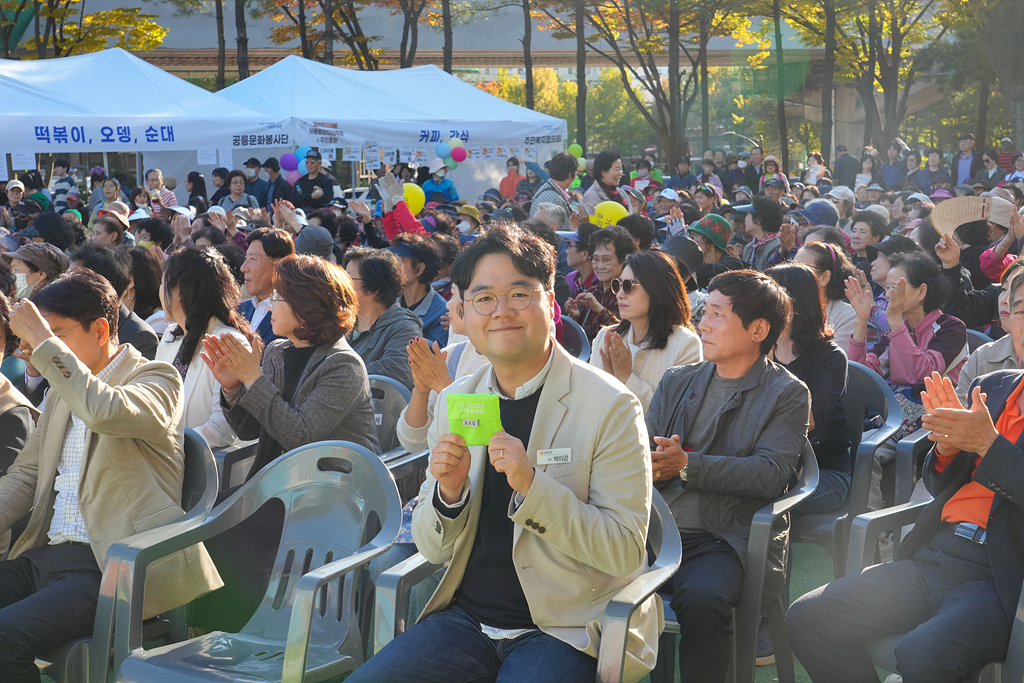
pixel 997 355
pixel 589 516
pixel 649 365
pixel 132 470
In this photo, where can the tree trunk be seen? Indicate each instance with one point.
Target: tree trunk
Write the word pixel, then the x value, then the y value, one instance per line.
pixel 303 35
pixel 705 107
pixel 581 75
pixel 414 34
pixel 675 103
pixel 871 121
pixel 828 82
pixel 527 54
pixel 329 33
pixel 984 90
pixel 243 40
pixel 40 50
pixel 221 44
pixel 403 57
pixel 446 20
pixel 780 88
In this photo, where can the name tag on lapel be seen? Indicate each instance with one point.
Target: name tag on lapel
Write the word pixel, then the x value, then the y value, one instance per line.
pixel 554 456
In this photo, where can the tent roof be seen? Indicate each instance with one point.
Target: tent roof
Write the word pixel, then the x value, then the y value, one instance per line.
pixel 313 91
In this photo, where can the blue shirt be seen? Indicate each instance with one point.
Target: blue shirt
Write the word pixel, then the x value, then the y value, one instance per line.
pixel 963 168
pixel 430 309
pixel 446 186
pixel 681 182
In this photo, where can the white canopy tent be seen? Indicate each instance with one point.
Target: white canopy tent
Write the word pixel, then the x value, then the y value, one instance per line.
pixel 405 112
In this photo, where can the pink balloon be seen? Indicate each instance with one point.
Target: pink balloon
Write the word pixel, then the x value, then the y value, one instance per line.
pixel 289 161
pixel 459 154
pixel 293 176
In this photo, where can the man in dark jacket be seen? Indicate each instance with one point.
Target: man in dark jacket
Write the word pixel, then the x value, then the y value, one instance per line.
pixel 844 168
pixel 726 437
pixel 755 169
pixel 316 188
pixel 954 586
pixel 278 187
pixel 254 185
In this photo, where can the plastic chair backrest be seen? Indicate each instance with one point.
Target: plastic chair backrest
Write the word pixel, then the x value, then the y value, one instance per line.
pixel 976 339
pixel 200 483
pixel 390 398
pixel 865 389
pixel 337 496
pixel 574 339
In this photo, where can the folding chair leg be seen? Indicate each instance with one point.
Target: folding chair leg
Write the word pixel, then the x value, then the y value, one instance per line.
pixel 665 670
pixel 783 653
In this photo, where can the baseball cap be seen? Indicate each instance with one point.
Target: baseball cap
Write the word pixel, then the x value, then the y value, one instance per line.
pixel 669 193
pixel 402 250
pixel 1006 140
pixel 272 163
pixel 776 183
pixel 918 196
pixel 314 240
pixel 840 148
pixel 875 186
pixel 15 185
pixel 715 228
pixel 743 155
pixel 879 209
pixel 219 210
pixel 819 213
pixel 253 162
pixel 745 189
pixel 686 251
pixel 744 208
pixel 967 136
pixel 491 193
pixel 897 244
pixel 843 193
pixel 313 154
pixel 569 235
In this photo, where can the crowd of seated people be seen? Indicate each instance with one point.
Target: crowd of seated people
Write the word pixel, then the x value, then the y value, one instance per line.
pixel 721 321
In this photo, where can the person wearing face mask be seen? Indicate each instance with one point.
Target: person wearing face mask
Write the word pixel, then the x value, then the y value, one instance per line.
pixel 469 223
pixel 14 205
pixel 254 185
pixel 440 182
pixel 35 265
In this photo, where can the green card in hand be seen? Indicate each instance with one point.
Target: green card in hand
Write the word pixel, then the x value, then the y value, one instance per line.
pixel 474 417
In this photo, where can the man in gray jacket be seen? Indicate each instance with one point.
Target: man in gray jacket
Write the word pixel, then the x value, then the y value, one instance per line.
pixel 726 437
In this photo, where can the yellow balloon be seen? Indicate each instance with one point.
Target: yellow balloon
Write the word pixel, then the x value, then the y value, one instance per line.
pixel 414 197
pixel 608 213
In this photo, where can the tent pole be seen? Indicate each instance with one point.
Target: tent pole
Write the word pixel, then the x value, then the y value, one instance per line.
pixel 106 162
pixel 139 180
pixel 354 181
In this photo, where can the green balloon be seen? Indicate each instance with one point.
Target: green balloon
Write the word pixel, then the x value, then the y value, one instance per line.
pixel 451 164
pixel 575 150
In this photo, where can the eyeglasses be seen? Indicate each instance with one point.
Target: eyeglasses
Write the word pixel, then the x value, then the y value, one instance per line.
pixel 517 298
pixel 275 298
pixel 625 285
pixel 67 331
pixel 605 260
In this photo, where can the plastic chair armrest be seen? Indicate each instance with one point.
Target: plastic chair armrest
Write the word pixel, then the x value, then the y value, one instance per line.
pixel 392 599
pixel 402 463
pixel 908 450
pixel 865 529
pixel 301 621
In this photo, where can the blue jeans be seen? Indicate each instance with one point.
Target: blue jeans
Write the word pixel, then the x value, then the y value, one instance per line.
pixel 421 592
pixel 833 487
pixel 449 647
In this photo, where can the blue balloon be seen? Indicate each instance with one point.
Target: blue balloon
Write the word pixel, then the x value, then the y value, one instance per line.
pixel 302 167
pixel 301 152
pixel 443 150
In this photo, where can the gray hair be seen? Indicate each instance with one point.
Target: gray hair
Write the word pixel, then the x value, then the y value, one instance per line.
pixel 555 214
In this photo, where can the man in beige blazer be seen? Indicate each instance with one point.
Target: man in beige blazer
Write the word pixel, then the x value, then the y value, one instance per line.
pixel 549 520
pixel 104 463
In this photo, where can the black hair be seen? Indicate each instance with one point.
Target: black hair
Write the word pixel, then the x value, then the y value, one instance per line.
pixel 114 265
pixel 448 248
pixel 919 270
pixel 876 224
pixel 212 234
pixel 147 272
pixel 82 296
pixel 198 185
pixel 619 239
pixel 562 166
pixel 54 230
pixel 381 271
pixel 159 230
pixel 328 220
pixel 199 204
pixel 530 254
pixel 808 327
pixel 10 341
pixel 644 163
pixel 585 230
pixel 234 257
pixel 348 230
pixel 8 283
pixel 974 233
pixel 755 296
pixel 640 228
pixel 207 290
pixel 604 161
pixel 767 213
pixel 424 252
pixel 669 306
pixel 929 238
pixel 221 172
pixel 276 242
pixel 830 258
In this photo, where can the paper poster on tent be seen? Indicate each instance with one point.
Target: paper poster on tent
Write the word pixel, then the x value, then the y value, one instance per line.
pixel 389 157
pixel 514 151
pixel 501 151
pixel 351 153
pixel 3 167
pixel 206 156
pixel 487 152
pixel 473 153
pixel 328 153
pixel 23 161
pixel 421 155
pixel 529 153
pixel 226 159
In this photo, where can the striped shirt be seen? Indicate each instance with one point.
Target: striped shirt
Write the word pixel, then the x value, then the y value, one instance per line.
pixel 67 525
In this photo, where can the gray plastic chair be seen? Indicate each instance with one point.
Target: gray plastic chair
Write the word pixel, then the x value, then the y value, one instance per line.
pixel 70 662
pixel 390 397
pixel 341 510
pixel 393 588
pixel 830 529
pixel 863 536
pixel 976 339
pixel 574 339
pixel 747 615
pixel 234 463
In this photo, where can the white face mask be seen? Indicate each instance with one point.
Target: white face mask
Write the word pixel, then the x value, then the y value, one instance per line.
pixel 440 174
pixel 465 227
pixel 742 164
pixel 24 289
pixel 250 173
pixel 141 205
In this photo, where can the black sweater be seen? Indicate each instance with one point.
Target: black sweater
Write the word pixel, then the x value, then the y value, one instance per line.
pixel 823 370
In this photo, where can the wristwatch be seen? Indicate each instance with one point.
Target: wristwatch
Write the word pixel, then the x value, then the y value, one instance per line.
pixel 684 474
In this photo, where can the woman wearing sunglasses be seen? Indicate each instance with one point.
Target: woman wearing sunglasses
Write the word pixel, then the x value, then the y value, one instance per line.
pixel 655 333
